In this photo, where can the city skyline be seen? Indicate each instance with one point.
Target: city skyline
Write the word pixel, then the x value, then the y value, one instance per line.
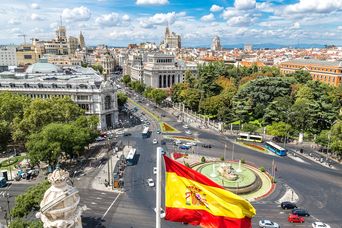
pixel 118 23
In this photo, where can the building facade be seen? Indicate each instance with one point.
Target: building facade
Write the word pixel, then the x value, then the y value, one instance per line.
pixel 329 72
pixel 163 71
pixel 216 44
pixel 26 55
pixel 8 56
pixel 171 40
pixel 83 85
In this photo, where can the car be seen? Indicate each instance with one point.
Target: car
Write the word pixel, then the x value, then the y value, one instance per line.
pixel 295 218
pixel 148 123
pixel 119 132
pixel 188 132
pixel 185 126
pixel 268 224
pixel 158 132
pixel 191 144
pixel 163 115
pixel 184 147
pixel 163 142
pixel 300 212
pixel 177 142
pixel 99 139
pixel 154 170
pixel 320 225
pixel 127 134
pixel 288 205
pixel 206 145
pixel 155 141
pixel 162 212
pixel 150 182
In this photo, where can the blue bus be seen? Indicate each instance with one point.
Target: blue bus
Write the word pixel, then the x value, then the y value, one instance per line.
pixel 275 148
pixel 130 158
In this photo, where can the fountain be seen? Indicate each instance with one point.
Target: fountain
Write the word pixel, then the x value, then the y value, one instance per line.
pixel 59 207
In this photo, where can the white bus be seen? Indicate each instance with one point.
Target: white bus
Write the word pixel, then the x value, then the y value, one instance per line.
pixel 130 158
pixel 145 133
pixel 249 137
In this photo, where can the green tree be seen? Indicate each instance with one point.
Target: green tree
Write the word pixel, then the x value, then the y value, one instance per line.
pixel 21 223
pixel 158 95
pixel 336 138
pixel 5 134
pixel 122 98
pixel 279 129
pixel 302 113
pixel 247 127
pixel 29 201
pixel 191 98
pixel 98 68
pixel 126 79
pixel 323 138
pixel 278 110
pixel 302 76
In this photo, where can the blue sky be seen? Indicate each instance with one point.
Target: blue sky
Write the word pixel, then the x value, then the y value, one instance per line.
pixel 119 22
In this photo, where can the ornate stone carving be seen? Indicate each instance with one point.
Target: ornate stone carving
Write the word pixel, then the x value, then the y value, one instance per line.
pixel 59 207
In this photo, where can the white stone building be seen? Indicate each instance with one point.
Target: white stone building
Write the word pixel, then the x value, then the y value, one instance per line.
pixel 83 85
pixel 216 44
pixel 163 71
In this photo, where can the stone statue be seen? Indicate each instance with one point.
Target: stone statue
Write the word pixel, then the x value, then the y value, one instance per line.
pixel 227 171
pixel 59 207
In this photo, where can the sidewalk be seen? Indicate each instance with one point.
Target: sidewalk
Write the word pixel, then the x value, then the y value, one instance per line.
pixel 100 179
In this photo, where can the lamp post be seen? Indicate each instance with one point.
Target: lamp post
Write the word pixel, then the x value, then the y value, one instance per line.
pixel 329 138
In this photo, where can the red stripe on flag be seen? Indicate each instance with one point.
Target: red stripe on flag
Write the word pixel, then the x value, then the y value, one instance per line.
pixel 183 171
pixel 205 219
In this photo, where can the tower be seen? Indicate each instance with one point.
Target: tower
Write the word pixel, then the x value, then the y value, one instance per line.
pixel 216 44
pixel 81 41
pixel 61 33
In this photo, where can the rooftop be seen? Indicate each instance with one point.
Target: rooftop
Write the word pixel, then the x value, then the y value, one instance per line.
pixel 315 62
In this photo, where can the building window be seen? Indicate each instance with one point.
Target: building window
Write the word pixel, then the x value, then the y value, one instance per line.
pixel 107 102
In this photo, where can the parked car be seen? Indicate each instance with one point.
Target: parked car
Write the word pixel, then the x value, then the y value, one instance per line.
pixel 155 170
pixel 300 212
pixel 163 142
pixel 191 144
pixel 150 182
pixel 162 212
pixel 320 225
pixel 268 224
pixel 177 142
pixel 127 134
pixel 155 141
pixel 184 147
pixel 158 131
pixel 185 126
pixel 288 205
pixel 206 145
pixel 295 218
pixel 99 139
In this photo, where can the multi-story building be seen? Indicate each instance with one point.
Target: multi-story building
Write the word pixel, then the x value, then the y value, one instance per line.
pixel 107 61
pixel 216 44
pixel 26 55
pixel 83 85
pixel 248 47
pixel 81 41
pixel 329 72
pixel 64 60
pixel 163 71
pixel 8 56
pixel 171 40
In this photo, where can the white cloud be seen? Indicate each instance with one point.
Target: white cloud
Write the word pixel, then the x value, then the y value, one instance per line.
pixel 230 12
pixel 216 8
pixel 240 21
pixel 126 17
pixel 265 7
pixel 152 2
pixel 244 4
pixel 36 17
pixel 314 6
pixel 108 20
pixel 160 19
pixel 339 27
pixel 296 25
pixel 207 18
pixel 35 6
pixel 77 14
pixel 14 22
pixel 37 30
pixel 15 31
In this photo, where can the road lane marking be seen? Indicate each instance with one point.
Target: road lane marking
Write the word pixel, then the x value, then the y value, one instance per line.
pixel 111 205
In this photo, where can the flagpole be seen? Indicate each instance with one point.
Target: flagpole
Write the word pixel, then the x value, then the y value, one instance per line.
pixel 158 187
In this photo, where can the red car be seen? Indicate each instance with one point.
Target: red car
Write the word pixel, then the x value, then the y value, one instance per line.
pixel 295 219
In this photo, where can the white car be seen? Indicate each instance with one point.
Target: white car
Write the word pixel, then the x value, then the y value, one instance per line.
pixel 155 141
pixel 162 212
pixel 185 126
pixel 320 225
pixel 191 144
pixel 150 182
pixel 155 170
pixel 268 224
pixel 188 132
pixel 177 142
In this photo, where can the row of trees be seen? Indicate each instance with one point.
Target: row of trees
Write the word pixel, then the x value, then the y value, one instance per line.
pixel 156 95
pixel 262 97
pixel 47 127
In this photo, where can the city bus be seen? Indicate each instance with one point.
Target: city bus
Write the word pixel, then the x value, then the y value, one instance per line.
pixel 145 133
pixel 130 157
pixel 275 148
pixel 249 137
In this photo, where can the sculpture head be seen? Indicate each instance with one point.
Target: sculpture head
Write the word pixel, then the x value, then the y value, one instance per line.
pixel 58 178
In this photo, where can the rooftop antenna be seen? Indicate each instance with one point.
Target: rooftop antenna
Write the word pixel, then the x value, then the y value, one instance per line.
pixel 23 35
pixel 61 20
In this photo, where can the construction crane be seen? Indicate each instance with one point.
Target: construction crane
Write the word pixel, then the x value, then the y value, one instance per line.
pixel 23 35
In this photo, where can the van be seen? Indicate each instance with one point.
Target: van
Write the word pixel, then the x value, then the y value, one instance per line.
pixel 3 182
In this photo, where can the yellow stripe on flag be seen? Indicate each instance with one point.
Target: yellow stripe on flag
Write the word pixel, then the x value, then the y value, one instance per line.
pixel 188 194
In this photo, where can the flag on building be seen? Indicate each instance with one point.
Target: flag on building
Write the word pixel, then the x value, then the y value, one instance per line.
pixel 195 199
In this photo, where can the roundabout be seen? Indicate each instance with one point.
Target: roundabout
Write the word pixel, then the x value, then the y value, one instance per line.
pixel 242 179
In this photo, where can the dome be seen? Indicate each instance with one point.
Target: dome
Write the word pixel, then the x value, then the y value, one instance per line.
pixel 43 68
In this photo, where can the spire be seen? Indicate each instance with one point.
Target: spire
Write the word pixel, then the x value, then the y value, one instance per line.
pixel 61 20
pixel 167 30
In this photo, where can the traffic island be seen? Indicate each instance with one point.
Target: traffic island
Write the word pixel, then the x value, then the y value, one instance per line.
pixel 167 128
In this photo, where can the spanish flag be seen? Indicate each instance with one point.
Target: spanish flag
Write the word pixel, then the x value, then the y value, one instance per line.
pixel 195 199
